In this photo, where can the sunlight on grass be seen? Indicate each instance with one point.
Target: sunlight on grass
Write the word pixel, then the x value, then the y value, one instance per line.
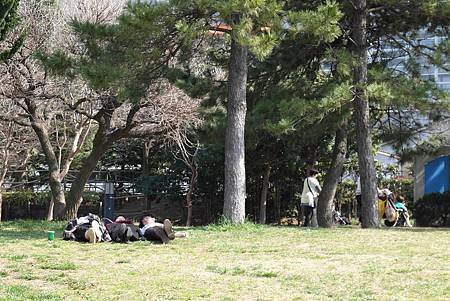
pixel 229 262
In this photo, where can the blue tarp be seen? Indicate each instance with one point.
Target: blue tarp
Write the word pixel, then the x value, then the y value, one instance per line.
pixel 437 175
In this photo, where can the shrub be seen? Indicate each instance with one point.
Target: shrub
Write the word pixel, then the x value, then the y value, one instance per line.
pixel 433 210
pixel 22 197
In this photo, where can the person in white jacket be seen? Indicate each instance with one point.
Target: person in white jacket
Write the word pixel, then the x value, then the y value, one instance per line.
pixel 310 195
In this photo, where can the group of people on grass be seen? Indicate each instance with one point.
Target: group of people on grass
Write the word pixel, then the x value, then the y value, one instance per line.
pixel 92 229
pixel 391 207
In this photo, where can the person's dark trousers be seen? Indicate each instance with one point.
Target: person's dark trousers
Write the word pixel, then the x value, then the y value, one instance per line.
pixel 119 232
pixel 308 212
pixel 156 234
pixel 358 206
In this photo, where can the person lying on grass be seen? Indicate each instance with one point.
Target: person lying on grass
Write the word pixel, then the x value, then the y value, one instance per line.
pixel 153 231
pixel 87 228
pixel 159 232
pixel 122 230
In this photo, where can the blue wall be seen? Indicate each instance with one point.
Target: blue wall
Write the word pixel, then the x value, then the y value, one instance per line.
pixel 437 175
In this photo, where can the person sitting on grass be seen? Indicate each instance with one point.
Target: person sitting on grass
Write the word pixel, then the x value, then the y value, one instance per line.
pixel 153 231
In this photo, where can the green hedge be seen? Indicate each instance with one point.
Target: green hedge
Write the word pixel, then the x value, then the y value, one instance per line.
pixel 433 210
pixel 22 197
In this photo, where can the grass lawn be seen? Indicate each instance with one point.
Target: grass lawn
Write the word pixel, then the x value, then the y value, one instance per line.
pixel 229 263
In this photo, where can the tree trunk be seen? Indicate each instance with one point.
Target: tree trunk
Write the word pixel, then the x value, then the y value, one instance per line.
pixel 51 206
pixel 278 202
pixel 189 196
pixel 146 158
pixel 1 201
pixel 59 200
pixel 264 191
pixel 362 121
pixel 234 192
pixel 189 208
pixel 75 196
pixel 3 172
pixel 53 168
pixel 326 197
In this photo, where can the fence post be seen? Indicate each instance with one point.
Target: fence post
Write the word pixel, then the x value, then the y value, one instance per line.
pixel 108 208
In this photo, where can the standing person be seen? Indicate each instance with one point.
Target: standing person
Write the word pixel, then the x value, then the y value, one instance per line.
pixel 310 195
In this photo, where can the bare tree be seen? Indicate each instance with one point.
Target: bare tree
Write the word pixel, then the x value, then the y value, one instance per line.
pixel 164 109
pixel 14 143
pixel 95 11
pixel 187 151
pixel 46 102
pixel 159 109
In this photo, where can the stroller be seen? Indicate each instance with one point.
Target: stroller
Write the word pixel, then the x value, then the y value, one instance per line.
pixel 339 219
pixel 392 215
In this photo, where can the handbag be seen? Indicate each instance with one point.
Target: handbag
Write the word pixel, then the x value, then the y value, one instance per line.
pixel 308 198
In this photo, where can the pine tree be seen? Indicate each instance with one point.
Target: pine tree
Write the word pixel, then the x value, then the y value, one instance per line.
pixel 255 27
pixel 249 23
pixel 295 60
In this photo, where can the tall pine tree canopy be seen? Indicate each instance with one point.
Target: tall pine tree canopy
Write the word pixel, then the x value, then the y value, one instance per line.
pixel 306 82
